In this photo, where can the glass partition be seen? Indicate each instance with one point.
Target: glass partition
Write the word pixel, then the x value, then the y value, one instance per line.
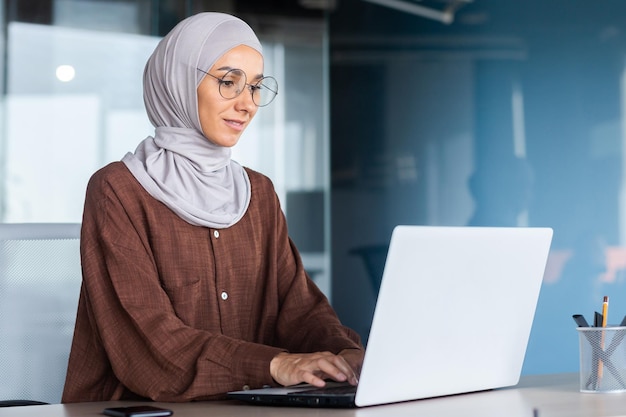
pixel 72 102
pixel 482 113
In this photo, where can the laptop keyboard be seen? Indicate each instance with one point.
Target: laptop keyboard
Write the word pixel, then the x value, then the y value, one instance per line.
pixel 335 390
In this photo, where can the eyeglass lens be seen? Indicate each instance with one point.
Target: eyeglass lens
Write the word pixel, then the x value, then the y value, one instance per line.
pixel 235 81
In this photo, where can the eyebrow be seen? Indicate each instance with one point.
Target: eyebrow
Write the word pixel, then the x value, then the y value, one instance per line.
pixel 227 68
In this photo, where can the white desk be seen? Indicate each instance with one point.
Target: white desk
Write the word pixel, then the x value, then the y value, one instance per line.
pixel 551 395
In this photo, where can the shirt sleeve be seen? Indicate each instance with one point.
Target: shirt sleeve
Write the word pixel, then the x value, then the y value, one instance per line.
pixel 307 322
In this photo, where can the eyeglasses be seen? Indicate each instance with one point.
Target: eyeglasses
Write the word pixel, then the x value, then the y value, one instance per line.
pixel 235 81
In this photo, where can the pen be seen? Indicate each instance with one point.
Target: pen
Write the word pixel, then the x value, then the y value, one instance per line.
pixel 580 320
pixel 597 319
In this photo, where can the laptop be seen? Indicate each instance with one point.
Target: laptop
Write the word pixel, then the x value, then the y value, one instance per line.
pixel 453 315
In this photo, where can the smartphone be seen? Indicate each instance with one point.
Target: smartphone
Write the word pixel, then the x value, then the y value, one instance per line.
pixel 137 411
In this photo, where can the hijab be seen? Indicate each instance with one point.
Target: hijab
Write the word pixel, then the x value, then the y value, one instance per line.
pixel 179 166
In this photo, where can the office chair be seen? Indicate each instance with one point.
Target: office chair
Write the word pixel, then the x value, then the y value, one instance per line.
pixel 374 258
pixel 40 280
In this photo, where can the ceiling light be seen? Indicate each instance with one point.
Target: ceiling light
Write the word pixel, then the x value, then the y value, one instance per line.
pixel 65 73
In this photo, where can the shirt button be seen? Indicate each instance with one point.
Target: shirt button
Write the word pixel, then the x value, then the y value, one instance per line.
pixel 216 234
pixel 224 295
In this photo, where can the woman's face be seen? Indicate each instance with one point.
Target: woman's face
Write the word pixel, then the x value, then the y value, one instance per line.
pixel 224 120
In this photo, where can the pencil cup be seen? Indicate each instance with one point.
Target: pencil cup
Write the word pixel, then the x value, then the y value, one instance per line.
pixel 602 359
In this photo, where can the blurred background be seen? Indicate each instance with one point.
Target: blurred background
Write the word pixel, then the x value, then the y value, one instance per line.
pixel 433 112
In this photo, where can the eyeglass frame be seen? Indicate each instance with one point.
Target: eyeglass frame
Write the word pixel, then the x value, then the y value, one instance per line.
pixel 256 85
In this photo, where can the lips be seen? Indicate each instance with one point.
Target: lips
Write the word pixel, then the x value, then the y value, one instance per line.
pixel 235 124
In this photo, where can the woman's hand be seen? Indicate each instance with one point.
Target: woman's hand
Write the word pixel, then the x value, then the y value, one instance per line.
pixel 314 368
pixel 354 357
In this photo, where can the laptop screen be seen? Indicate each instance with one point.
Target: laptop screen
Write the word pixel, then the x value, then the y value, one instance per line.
pixel 454 311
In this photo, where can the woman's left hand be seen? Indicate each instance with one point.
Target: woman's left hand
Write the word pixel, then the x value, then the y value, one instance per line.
pixel 354 357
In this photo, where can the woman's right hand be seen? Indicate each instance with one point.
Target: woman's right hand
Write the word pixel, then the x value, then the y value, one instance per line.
pixel 311 368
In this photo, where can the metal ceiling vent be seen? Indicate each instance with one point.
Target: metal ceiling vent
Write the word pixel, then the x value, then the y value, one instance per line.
pixel 440 10
pixel 318 4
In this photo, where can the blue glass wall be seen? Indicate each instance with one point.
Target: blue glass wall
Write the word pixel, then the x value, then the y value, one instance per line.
pixel 510 115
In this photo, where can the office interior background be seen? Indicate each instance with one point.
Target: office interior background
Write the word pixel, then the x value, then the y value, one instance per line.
pixel 432 112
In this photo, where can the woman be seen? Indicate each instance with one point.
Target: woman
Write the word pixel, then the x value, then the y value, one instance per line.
pixel 191 285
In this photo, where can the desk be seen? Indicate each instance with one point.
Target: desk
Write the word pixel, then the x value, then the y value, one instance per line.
pixel 552 395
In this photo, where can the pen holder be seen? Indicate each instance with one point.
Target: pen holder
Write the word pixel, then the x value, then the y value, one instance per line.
pixel 602 359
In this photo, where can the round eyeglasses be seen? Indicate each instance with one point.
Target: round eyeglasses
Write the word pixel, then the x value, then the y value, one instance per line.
pixel 235 81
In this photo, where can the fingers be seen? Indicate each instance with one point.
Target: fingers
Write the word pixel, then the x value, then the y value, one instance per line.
pixel 312 368
pixel 290 369
pixel 335 367
pixel 354 358
pixel 344 371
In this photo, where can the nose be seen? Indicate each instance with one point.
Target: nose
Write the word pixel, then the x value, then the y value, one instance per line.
pixel 245 102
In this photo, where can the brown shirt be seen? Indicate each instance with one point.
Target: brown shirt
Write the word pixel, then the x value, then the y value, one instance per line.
pixel 175 312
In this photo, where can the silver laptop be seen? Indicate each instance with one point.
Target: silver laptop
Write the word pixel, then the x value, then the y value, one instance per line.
pixel 453 315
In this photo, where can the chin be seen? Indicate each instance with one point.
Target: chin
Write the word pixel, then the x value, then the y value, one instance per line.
pixel 224 142
pixel 229 143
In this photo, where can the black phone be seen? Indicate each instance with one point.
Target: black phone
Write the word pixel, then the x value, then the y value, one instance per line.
pixel 137 411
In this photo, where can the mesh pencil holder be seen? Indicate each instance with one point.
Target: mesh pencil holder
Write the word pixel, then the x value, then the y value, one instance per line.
pixel 602 359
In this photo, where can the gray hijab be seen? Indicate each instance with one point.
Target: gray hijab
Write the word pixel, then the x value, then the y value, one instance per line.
pixel 179 166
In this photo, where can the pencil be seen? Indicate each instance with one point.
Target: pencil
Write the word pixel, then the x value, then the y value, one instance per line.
pixel 605 314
